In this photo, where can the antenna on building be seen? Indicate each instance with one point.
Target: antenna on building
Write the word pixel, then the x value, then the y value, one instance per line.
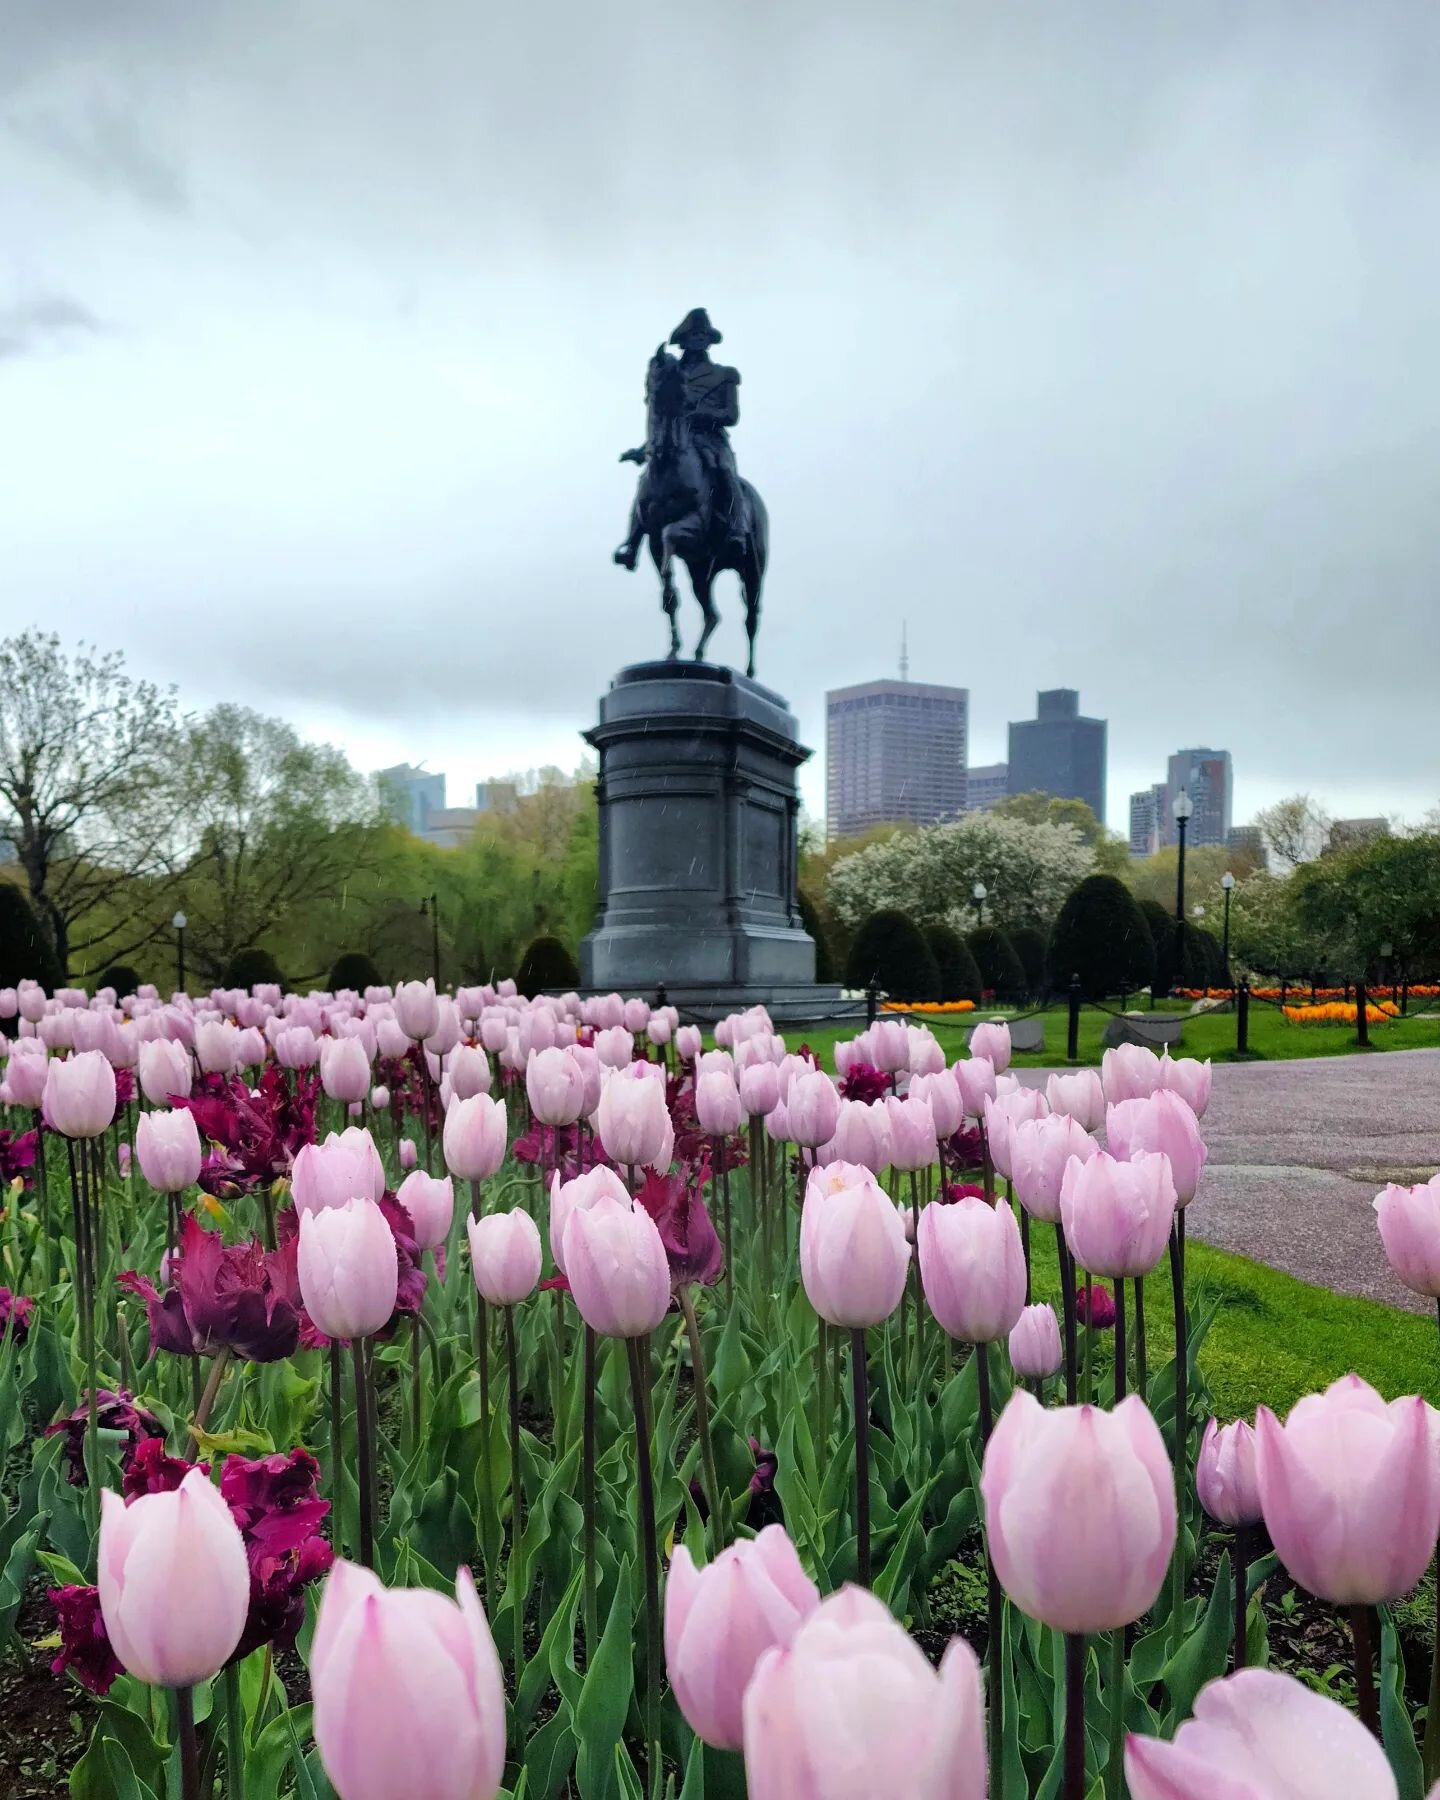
pixel 904 650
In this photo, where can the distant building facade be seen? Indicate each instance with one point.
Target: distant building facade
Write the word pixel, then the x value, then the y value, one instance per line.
pixel 1059 752
pixel 1207 778
pixel 986 786
pixel 409 795
pixel 1146 806
pixel 1349 834
pixel 894 751
pixel 1249 839
pixel 496 796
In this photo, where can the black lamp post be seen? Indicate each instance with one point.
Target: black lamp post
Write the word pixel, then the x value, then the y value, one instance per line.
pixel 179 922
pixel 1227 881
pixel 432 907
pixel 978 892
pixel 1183 808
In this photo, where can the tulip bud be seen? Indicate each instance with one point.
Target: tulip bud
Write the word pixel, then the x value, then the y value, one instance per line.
pixel 862 1135
pixel 79 1099
pixel 582 1191
pixel 345 1167
pixel 348 1268
pixel 26 1072
pixel 1129 1072
pixel 1080 1096
pixel 296 1047
pixel 637 1014
pixel 972 1268
pixel 631 1118
pixel 1009 1108
pixel 616 1265
pixel 555 1083
pixel 344 1069
pixel 168 1146
pixel 1190 1079
pixel 1035 1343
pixel 852 1707
pixel 1079 1512
pixel 1162 1123
pixel 417 1009
pixel 1040 1152
pixel 992 1041
pixel 504 1256
pixel 812 1107
pixel 759 1089
pixel 217 1047
pixel 975 1078
pixel 720 1618
pixel 1118 1216
pixel 442 1038
pixel 615 1047
pixel 717 1105
pixel 474 1137
pixel 853 1254
pixel 688 1040
pixel 1409 1222
pixel 174 1582
pixel 469 1071
pixel 1226 1477
pixel 374 1650
pixel 430 1202
pixel 912 1133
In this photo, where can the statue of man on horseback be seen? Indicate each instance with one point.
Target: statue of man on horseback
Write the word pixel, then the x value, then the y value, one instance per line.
pixel 691 502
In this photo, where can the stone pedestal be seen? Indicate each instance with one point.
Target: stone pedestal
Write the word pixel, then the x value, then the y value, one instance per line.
pixel 697 815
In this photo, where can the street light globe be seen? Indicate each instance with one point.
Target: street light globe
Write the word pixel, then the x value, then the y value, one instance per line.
pixel 179 921
pixel 1198 910
pixel 1227 881
pixel 979 891
pixel 1184 806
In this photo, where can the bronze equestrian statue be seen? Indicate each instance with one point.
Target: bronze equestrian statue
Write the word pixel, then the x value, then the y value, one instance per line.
pixel 692 502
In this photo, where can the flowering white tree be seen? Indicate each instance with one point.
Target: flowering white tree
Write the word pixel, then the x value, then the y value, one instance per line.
pixel 1027 869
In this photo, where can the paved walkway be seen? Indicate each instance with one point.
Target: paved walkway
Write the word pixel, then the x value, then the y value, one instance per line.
pixel 1299 1150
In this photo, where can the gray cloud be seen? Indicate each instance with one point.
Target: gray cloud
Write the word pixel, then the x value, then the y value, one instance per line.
pixel 30 324
pixel 1097 343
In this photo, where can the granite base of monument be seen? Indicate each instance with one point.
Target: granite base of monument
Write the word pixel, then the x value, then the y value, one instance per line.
pixel 698 815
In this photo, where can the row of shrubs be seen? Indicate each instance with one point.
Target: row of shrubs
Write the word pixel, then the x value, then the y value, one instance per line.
pixel 1112 942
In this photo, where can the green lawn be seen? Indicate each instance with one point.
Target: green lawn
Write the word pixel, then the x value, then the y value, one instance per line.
pixel 1272 1035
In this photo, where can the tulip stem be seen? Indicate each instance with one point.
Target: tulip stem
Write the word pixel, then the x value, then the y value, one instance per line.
pixel 718 1522
pixel 517 1496
pixel 1365 1668
pixel 994 1604
pixel 189 1745
pixel 1074 1788
pixel 1067 1300
pixel 860 1386
pixel 1242 1571
pixel 1432 1717
pixel 1142 1386
pixel 587 1499
pixel 639 1353
pixel 1122 1354
pixel 207 1401
pixel 337 1478
pixel 417 1385
pixel 267 1203
pixel 1181 1445
pixel 1089 1395
pixel 364 1452
pixel 1115 1700
pixel 1024 1239
pixel 234 1736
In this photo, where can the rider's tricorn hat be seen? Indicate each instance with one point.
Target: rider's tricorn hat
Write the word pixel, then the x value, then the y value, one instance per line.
pixel 695 327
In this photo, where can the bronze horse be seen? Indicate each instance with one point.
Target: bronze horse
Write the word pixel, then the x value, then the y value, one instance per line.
pixel 675 509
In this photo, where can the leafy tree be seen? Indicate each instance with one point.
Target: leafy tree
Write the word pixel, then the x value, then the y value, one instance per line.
pixel 1001 970
pixel 890 950
pixel 1267 935
pixel 26 953
pixel 1038 808
pixel 1295 830
pixel 1154 877
pixel 960 978
pixel 546 964
pixel 86 793
pixel 1383 892
pixel 1102 936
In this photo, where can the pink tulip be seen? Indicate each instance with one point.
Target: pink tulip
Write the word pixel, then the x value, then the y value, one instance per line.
pixel 445 1035
pixel 1040 1152
pixel 992 1041
pixel 1079 1511
pixel 250 1048
pixel 812 1107
pixel 1350 1490
pixel 348 1268
pixel 1117 1216
pixel 888 1046
pixel 862 1135
pixel 852 1708
pixel 1129 1072
pixel 9 1003
pixel 581 1191
pixel 469 1071
pixel 31 1000
pixel 975 1079
pixel 777 1124
pixel 912 1133
pixel 972 1268
pixel 717 1105
pixel 1002 1114
pixel 474 1137
pixel 1035 1343
pixel 720 1619
pixel 408 1154
pixel 430 1202
pixel 1080 1096
pixel 942 1095
pixel 616 1265
pixel 79 1098
pixel 1163 1123
pixel 631 1119
pixel 1226 1476
pixel 297 1047
pixel 344 1167
pixel 555 1084
pixel 1261 1735
pixel 217 1047
pixel 688 1040
pixel 637 1014
pixel 344 1069
pixel 174 1582
pixel 26 1072
pixel 168 1146
pixel 391 1041
pixel 759 1089
pixel 379 1655
pixel 1189 1079
pixel 417 1009
pixel 924 1055
pixel 659 1031
pixel 1409 1221
pixel 853 1253
pixel 505 1256
pixel 615 1047
pixel 717 1062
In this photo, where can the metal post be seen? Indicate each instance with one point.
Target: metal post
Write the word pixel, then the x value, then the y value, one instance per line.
pixel 1072 1036
pixel 1242 1019
pixel 872 1002
pixel 1362 1022
pixel 435 938
pixel 1181 825
pixel 1227 939
pixel 180 960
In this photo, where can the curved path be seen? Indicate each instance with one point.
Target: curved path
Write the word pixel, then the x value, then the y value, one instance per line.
pixel 1299 1150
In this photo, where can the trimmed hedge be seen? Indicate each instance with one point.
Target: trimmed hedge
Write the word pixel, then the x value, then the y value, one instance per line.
pixel 353 969
pixel 1162 936
pixel 1102 937
pixel 26 953
pixel 959 975
pixel 890 950
pixel 1029 946
pixel 249 968
pixel 546 964
pixel 119 976
pixel 815 925
pixel 1001 970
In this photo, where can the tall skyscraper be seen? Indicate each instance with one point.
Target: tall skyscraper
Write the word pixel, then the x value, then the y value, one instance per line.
pixel 1058 752
pixel 1206 777
pixel 1142 822
pixel 894 750
pixel 409 795
pixel 985 785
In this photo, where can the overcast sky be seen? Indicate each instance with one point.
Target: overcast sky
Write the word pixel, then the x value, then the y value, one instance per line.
pixel 1097 341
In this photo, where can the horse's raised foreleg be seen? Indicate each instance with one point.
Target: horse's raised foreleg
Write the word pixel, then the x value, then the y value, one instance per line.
pixel 750 582
pixel 669 599
pixel 700 580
